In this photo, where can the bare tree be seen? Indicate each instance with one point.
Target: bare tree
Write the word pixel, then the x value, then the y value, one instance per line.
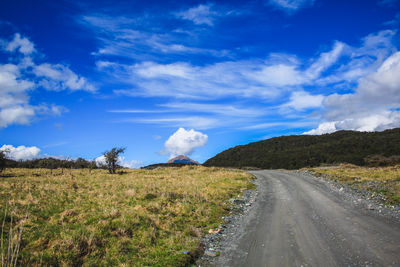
pixel 111 158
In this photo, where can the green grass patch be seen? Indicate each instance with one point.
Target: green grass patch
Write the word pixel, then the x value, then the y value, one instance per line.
pixel 139 218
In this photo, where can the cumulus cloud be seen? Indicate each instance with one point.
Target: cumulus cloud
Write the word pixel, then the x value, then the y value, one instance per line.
pixel 20 152
pixel 17 81
pixel 374 106
pixel 100 161
pixel 184 142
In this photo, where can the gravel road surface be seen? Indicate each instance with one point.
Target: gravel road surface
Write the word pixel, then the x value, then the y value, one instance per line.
pixel 297 220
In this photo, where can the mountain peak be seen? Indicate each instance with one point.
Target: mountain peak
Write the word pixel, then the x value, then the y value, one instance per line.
pixel 183 159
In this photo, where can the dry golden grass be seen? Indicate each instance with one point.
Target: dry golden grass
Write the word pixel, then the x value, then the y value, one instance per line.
pixel 139 217
pixel 383 180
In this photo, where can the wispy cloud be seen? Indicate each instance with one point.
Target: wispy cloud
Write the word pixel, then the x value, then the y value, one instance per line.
pixel 138 111
pixel 222 109
pixel 195 115
pixel 126 37
pixel 196 122
pixel 291 6
pixel 263 79
pixel 56 144
pixel 20 44
pixel 388 3
pixel 394 22
pixel 206 14
pixel 192 107
pixel 280 124
pixel 201 14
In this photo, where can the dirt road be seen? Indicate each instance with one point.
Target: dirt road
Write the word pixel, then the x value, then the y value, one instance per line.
pixel 298 221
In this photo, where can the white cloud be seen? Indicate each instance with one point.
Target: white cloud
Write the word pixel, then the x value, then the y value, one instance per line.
pixel 291 5
pixel 132 164
pixel 100 161
pixel 278 75
pixel 374 122
pixel 152 70
pixel 20 114
pixel 10 80
pixel 374 106
pixel 23 45
pixel 20 152
pixel 184 142
pixel 202 14
pixel 17 81
pixel 59 77
pixel 326 60
pixel 302 100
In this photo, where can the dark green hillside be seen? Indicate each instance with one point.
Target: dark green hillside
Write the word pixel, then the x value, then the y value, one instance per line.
pixel 297 151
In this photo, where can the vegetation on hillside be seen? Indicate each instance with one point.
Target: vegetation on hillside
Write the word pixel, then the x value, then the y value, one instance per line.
pixel 50 163
pixel 137 218
pixel 294 152
pixel 111 159
pixel 384 181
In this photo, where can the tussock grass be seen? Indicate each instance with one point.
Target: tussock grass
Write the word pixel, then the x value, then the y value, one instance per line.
pixel 382 180
pixel 137 218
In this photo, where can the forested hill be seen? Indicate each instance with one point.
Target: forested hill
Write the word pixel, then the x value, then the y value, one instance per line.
pixel 297 151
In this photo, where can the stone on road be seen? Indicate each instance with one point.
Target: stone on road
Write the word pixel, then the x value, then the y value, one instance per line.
pixel 298 221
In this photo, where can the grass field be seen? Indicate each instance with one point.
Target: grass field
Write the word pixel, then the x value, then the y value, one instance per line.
pixel 383 180
pixel 137 218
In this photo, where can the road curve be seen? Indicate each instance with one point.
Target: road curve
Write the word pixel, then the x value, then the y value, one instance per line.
pixel 298 221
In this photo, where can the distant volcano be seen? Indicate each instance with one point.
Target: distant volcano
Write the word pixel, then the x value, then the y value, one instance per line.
pixel 183 159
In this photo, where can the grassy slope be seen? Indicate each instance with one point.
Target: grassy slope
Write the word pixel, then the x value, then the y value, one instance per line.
pixel 137 218
pixel 384 181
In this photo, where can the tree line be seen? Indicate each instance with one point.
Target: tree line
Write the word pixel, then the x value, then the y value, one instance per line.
pixel 110 162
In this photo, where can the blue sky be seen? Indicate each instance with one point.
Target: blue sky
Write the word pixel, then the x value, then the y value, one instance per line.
pixel 163 78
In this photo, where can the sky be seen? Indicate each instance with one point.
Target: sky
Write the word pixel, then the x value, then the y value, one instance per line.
pixel 164 78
